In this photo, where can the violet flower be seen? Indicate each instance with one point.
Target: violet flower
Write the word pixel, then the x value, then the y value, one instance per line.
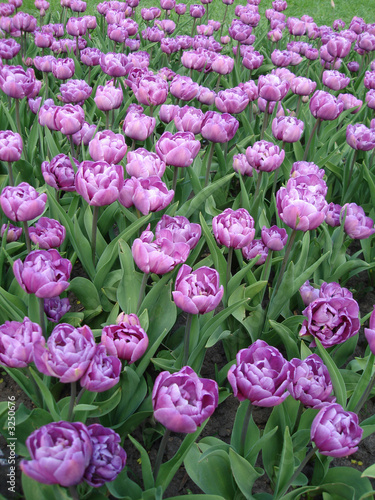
pixel 22 202
pixel 55 308
pixel 126 340
pixel 233 228
pixel 178 150
pixel 146 194
pixel 108 146
pixel 47 233
pixel 103 372
pixel 143 163
pixel 17 341
pixel 59 172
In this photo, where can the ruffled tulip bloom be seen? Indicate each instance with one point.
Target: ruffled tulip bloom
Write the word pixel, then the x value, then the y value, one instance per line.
pixel 370 99
pixel 193 59
pixel 197 292
pixel 264 156
pixel 357 225
pixel 126 340
pixel 63 69
pixel 47 115
pixel 74 92
pixel 10 146
pixel 182 401
pixel 252 60
pixel 306 168
pixel 251 90
pixel 47 233
pixel 241 165
pixel 350 102
pixel 24 22
pixel 147 195
pixel 336 432
pixel 84 135
pixel 287 129
pixel 167 112
pixel 333 215
pixel 60 453
pixel 311 383
pixel 272 88
pixel 197 11
pixel 43 272
pixel 178 150
pixel 143 163
pixel 233 228
pixel 239 31
pixel 108 146
pixel 59 173
pixel 114 64
pixel 108 97
pixel 99 182
pixel 335 80
pixel 152 91
pixel 67 354
pixel 206 96
pixel 180 9
pixel 184 88
pixel 223 65
pixel 359 137
pixel 103 372
pixel 218 127
pixel 13 232
pixel 325 106
pixel 91 56
pixel 108 457
pixel 55 308
pixel 188 119
pixel 17 341
pixel 274 238
pixel 232 101
pixel 138 126
pixel 44 63
pixel 281 58
pixel 9 48
pixel 76 26
pixel 178 229
pixel 261 375
pixel 159 256
pixel 16 82
pixel 255 248
pixel 370 332
pixel 69 119
pixel 22 202
pixel 338 46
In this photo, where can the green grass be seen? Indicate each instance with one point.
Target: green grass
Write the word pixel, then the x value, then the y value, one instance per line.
pixel 320 10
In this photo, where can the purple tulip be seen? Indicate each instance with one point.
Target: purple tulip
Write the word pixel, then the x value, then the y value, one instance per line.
pixel 193 59
pixel 10 146
pixel 296 26
pixel 239 31
pixel 325 106
pixel 114 64
pixel 178 150
pixel 152 90
pixel 218 127
pixel 338 46
pixel 265 156
pixel 47 115
pixel 306 168
pixel 63 69
pixel 274 238
pixel 252 60
pixel 167 112
pixel 9 48
pixel 197 11
pixel 308 293
pixel 103 372
pixel 69 119
pixel 233 228
pixel 182 401
pixel 188 119
pixel 84 135
pixel 43 272
pixel 24 22
pixel 60 453
pixel 336 432
pixel 353 66
pixel 126 340
pixel 108 457
pixel 255 248
pixel 44 63
pixel 76 26
pixel 206 96
pixel 180 9
pixel 16 82
pixel 98 182
pixel 59 172
pixel 311 383
pixel 281 58
pixel 357 225
pixel 370 332
pixel 359 137
pixel 287 129
pixel 13 232
pixel 22 202
pixel 67 354
pixel 335 80
pixel 47 233
pixel 142 163
pixel 108 146
pixel 241 165
pixel 223 65
pixel 272 88
pixel 184 88
pixel 159 256
pixel 55 308
pixel 17 341
pixel 333 215
pixel 261 375
pixel 350 102
pixel 232 101
pixel 138 126
pixel 74 92
pixel 148 194
pixel 108 97
pixel 91 56
pixel 178 229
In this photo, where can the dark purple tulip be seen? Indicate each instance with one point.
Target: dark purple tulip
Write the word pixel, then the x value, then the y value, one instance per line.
pixel 22 202
pixel 336 432
pixel 147 195
pixel 142 163
pixel 59 172
pixel 60 453
pixel 311 383
pixel 357 225
pixel 74 92
pixel 261 375
pixel 233 228
pixel 218 127
pixel 103 372
pixel 150 14
pixel 10 146
pixel 274 238
pixel 13 232
pixel 353 66
pixel 325 106
pixel 182 401
pixel 197 292
pixel 178 229
pixel 265 156
pixel 287 129
pixel 255 248
pixel 369 80
pixel 108 146
pixel 17 341
pixel 9 48
pixel 108 457
pixel 63 69
pixel 180 9
pixel 126 340
pixel 333 215
pixel 47 233
pixel 55 308
pixel 178 150
pixel 6 10
pixel 159 256
pixel 16 82
pixel 359 137
pixel 108 97
pixel 43 272
pixel 98 182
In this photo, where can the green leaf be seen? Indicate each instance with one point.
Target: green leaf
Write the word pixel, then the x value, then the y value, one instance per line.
pixel 24 383
pixel 86 292
pixel 197 497
pixel 362 384
pixel 220 263
pixel 369 472
pixel 130 284
pixel 123 487
pixel 286 467
pixel 338 383
pixel 351 477
pixel 33 490
pixel 244 474
pixel 134 390
pixel 147 475
pixel 104 407
pixel 13 305
pixel 47 396
pixel 287 337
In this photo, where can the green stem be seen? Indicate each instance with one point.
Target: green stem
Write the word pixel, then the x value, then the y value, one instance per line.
pixel 310 139
pixel 107 120
pixel 209 161
pixel 71 146
pixel 73 493
pixel 161 451
pixel 274 185
pixel 80 394
pixel 238 52
pixel 27 236
pixel 245 426
pixel 298 105
pixel 285 260
pixel 298 471
pixel 95 215
pixel 42 320
pixel 142 290
pixel 266 272
pixel 193 28
pixel 187 339
pixel 259 180
pixel 365 395
pixel 351 169
pixel 73 393
pixel 218 83
pixel 229 267
pixel 265 122
pixel 10 173
pixel 18 121
pixel 175 177
pixel 222 24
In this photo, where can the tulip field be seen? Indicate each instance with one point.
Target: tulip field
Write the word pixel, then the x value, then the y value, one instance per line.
pixel 187 262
